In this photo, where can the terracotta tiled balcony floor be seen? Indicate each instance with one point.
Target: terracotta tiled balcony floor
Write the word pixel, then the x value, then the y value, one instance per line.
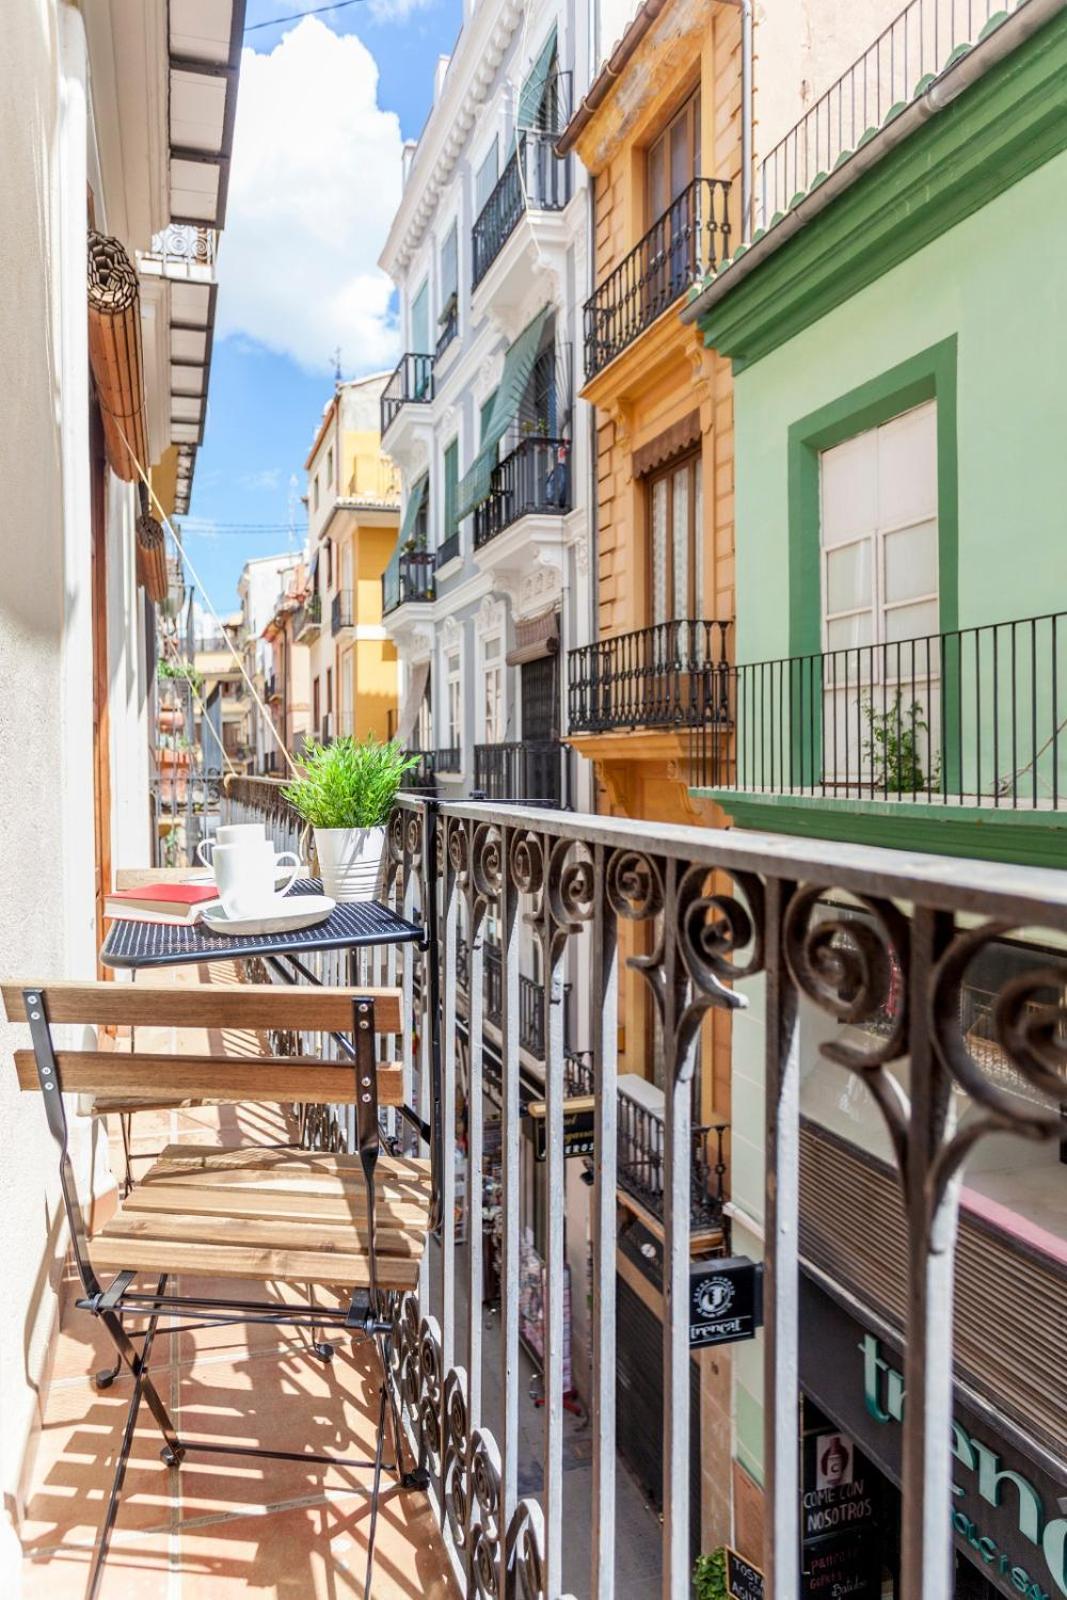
pixel 227 1526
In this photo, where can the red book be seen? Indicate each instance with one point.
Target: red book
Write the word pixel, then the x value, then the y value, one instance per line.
pixel 179 902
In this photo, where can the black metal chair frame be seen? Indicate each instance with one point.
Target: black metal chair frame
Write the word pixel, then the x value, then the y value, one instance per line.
pixel 368 1315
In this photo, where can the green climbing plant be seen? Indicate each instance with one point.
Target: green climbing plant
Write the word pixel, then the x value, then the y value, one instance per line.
pixel 894 745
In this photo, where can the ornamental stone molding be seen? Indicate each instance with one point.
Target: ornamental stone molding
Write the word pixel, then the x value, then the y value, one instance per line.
pixel 451 631
pixel 489 617
pixel 453 116
pixel 413 645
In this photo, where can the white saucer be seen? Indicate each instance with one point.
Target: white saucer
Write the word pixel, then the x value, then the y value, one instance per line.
pixel 301 911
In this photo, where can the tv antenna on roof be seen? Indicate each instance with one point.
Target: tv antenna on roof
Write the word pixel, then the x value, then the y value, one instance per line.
pixel 337 364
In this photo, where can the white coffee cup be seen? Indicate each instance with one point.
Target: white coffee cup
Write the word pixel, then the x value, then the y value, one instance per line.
pixel 230 833
pixel 245 873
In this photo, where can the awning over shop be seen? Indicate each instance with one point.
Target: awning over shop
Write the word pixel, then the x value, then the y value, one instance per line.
pixel 518 366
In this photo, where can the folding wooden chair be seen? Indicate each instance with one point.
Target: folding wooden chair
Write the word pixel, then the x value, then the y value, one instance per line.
pixel 299 1218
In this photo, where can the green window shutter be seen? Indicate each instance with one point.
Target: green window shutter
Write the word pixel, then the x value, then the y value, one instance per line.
pixel 420 321
pixel 531 97
pixel 449 271
pixel 518 365
pixel 451 485
pixel 484 416
pixel 411 511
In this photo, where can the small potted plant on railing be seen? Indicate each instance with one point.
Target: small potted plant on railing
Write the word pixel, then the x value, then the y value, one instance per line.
pixel 345 794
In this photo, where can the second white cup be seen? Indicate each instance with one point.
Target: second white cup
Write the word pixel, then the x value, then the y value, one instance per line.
pixel 231 833
pixel 245 873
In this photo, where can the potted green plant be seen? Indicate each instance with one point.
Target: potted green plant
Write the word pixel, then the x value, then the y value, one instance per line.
pixel 345 794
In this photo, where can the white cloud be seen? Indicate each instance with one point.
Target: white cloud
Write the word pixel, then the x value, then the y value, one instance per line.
pixel 314 184
pixel 396 10
pixel 267 480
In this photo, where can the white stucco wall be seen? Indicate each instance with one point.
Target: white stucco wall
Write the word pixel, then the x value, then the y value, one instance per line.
pixel 46 704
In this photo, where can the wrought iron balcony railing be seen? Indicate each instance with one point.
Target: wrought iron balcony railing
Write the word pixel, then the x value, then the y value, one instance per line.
pixel 447 551
pixel 534 179
pixel 411 383
pixel 307 619
pixel 921 43
pixel 531 769
pixel 183 245
pixel 531 1001
pixel 686 242
pixel 423 776
pixel 893 983
pixel 408 577
pixel 534 478
pixel 341 612
pixel 449 328
pixel 449 758
pixel 973 718
pixel 672 674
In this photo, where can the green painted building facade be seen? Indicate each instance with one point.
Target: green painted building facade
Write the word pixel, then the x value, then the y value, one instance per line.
pixel 933 285
pixel 899 348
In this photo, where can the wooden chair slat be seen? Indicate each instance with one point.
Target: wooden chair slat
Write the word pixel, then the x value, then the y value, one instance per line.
pixel 241 1200
pixel 236 1006
pixel 284 1079
pixel 261 1263
pixel 287 1233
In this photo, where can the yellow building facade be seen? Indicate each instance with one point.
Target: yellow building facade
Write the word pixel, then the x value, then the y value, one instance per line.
pixel 353 503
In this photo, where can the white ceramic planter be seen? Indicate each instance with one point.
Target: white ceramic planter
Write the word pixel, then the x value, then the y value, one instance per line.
pixel 349 859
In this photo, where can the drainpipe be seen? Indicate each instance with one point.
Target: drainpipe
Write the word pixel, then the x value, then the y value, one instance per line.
pixel 745 7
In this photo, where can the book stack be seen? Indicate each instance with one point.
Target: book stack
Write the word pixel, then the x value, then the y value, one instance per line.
pixel 161 902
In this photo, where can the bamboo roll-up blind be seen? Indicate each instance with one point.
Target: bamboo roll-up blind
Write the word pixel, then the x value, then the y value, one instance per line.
pixel 115 353
pixel 151 558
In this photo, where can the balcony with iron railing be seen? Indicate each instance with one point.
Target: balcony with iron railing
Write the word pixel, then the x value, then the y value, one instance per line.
pixel 686 242
pixel 885 1002
pixel 448 760
pixel 928 39
pixel 535 179
pixel 181 251
pixel 420 778
pixel 409 577
pixel 342 614
pixel 972 719
pixel 669 675
pixel 449 327
pixel 532 480
pixel 528 769
pixel 307 620
pixel 448 550
pixel 410 383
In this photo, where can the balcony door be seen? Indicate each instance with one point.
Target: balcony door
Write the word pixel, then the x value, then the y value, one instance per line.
pixel 672 243
pixel 881 667
pixel 676 586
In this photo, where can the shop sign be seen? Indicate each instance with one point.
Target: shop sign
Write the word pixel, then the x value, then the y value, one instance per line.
pixel 725 1301
pixel 579 1115
pixel 743 1580
pixel 840 1491
pixel 1009 1513
pixel 841 1565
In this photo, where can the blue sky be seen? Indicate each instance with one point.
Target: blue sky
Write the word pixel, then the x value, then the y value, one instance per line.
pixel 297 270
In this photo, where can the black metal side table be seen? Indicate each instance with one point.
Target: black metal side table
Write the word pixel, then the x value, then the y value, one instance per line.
pixel 362 925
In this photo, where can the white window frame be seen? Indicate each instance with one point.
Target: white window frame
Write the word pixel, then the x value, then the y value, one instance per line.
pixel 875 540
pixel 496 664
pixel 452 704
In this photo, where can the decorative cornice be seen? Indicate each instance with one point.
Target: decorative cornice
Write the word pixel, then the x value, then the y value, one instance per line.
pixel 471 73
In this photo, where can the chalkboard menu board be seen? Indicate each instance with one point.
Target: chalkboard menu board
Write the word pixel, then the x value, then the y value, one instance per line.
pixel 743 1580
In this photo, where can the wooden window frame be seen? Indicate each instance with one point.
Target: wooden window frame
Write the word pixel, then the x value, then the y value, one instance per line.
pixel 662 140
pixel 688 460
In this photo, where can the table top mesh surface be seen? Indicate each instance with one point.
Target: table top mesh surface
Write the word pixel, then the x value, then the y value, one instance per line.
pixel 158 944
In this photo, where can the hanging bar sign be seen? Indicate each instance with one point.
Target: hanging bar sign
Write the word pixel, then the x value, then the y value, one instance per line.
pixel 578 1126
pixel 725 1301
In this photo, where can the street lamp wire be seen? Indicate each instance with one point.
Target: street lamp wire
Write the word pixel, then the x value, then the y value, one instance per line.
pixel 314 11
